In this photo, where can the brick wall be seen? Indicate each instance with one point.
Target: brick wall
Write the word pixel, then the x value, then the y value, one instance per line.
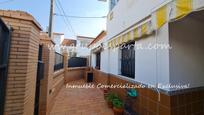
pixel 189 103
pixel 147 103
pixel 100 77
pixel 46 82
pixel 73 74
pixel 22 66
pixel 58 82
pixel 52 81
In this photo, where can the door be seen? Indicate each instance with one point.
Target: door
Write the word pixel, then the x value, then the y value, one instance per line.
pixel 4 55
pixel 98 60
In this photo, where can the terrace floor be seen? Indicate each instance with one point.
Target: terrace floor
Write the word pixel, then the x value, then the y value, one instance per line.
pixel 80 101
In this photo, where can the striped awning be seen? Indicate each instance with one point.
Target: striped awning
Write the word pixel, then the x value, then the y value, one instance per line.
pixel 172 10
pixel 133 34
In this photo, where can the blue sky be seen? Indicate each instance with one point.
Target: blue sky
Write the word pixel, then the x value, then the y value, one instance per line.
pixel 86 27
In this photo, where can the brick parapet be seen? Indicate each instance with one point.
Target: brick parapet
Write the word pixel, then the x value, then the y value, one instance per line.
pixel 22 67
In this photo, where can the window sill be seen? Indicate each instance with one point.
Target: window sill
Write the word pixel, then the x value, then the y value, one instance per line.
pixel 132 80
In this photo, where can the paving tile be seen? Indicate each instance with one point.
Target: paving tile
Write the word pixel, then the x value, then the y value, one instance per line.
pixel 80 102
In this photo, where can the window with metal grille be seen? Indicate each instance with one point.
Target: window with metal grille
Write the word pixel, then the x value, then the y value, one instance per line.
pixel 98 60
pixel 128 60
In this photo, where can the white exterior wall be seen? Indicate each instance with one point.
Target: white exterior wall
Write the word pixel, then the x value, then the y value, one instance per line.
pixel 104 61
pixel 82 51
pixel 151 65
pixel 156 66
pixel 93 60
pixel 145 62
pixel 128 12
pixel 198 4
pixel 113 62
pixel 162 37
pixel 180 65
pixel 81 48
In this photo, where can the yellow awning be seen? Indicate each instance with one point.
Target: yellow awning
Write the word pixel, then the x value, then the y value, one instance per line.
pixel 119 40
pixel 161 16
pixel 128 36
pixel 183 7
pixel 144 29
pixel 123 38
pixel 115 42
pixel 112 44
pixel 136 33
pixel 172 10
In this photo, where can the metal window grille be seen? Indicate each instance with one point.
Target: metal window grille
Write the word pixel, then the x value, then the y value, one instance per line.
pixel 128 61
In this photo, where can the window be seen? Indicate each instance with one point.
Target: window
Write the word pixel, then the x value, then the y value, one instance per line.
pixel 98 60
pixel 128 60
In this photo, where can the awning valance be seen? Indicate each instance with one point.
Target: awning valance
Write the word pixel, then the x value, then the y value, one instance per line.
pixel 98 49
pixel 172 10
pixel 133 34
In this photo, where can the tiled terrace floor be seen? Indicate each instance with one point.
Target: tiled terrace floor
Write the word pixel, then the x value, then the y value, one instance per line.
pixel 75 101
